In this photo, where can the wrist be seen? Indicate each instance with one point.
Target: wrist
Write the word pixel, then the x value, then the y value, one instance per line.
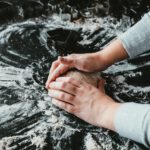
pixel 112 53
pixel 107 114
pixel 103 61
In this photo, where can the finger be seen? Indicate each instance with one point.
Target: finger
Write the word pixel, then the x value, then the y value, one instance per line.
pixel 55 64
pixel 67 107
pixel 64 86
pixel 71 80
pixel 65 97
pixel 56 73
pixel 101 85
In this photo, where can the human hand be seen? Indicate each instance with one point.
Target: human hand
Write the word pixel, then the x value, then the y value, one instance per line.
pixel 83 62
pixel 91 62
pixel 84 101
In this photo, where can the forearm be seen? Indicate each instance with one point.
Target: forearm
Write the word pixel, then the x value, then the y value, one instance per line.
pixel 133 121
pixel 136 40
pixel 130 120
pixel 113 53
pixel 133 42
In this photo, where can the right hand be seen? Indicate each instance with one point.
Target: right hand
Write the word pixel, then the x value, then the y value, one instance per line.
pixel 85 101
pixel 85 62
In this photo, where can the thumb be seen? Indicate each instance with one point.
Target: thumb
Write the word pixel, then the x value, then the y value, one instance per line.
pixel 66 60
pixel 101 85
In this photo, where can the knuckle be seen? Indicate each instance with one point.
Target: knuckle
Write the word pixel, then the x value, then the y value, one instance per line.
pixel 81 89
pixel 74 89
pixel 70 109
pixel 62 96
pixel 73 58
pixel 64 105
pixel 54 63
pixel 70 98
pixel 63 85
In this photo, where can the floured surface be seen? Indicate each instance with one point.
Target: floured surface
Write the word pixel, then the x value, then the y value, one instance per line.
pixel 28 120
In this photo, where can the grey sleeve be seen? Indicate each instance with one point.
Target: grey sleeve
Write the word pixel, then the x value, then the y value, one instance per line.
pixel 133 121
pixel 136 40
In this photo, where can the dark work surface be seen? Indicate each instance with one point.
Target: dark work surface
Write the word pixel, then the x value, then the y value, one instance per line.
pixel 33 33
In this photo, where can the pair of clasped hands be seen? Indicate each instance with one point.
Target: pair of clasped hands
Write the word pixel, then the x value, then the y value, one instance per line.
pixel 79 98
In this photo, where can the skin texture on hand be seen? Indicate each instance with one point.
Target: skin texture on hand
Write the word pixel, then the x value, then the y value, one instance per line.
pixel 82 96
pixel 79 97
pixel 84 62
pixel 91 62
pixel 91 78
pixel 112 53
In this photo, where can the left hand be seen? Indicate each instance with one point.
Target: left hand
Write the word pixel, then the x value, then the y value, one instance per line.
pixel 83 100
